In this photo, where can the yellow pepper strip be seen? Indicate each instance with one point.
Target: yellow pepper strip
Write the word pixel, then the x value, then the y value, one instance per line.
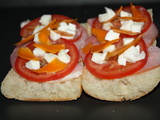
pixel 100 34
pixel 121 49
pixel 50 48
pixel 100 47
pixel 26 53
pixel 54 66
pixel 29 38
pixel 115 16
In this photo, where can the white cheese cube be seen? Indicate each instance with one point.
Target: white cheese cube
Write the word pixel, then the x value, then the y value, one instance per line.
pixel 127 25
pixel 137 26
pixel 24 23
pixel 107 26
pixel 72 26
pixel 127 40
pixel 36 38
pixel 49 57
pixel 54 36
pixel 37 29
pixel 99 57
pixel 133 54
pixel 33 65
pixel 45 19
pixel 125 14
pixel 38 52
pixel 63 56
pixel 111 35
pixel 63 26
pixel 103 17
pixel 121 60
pixel 109 48
pixel 106 16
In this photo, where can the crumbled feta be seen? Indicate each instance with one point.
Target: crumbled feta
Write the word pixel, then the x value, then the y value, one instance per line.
pixel 131 55
pixel 109 48
pixel 63 56
pixel 38 52
pixel 49 57
pixel 99 57
pixel 111 35
pixel 137 26
pixel 69 28
pixel 107 26
pixel 33 65
pixel 54 36
pixel 127 40
pixel 38 28
pixel 127 25
pixel 106 16
pixel 36 38
pixel 45 19
pixel 24 23
pixel 125 14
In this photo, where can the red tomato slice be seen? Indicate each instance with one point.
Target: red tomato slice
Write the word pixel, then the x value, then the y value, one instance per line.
pixel 116 23
pixel 111 69
pixel 42 77
pixel 28 29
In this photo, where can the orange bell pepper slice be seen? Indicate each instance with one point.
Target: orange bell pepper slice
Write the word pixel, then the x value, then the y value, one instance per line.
pixel 50 48
pixel 115 16
pixel 87 48
pixel 29 38
pixel 26 53
pixel 124 31
pixel 54 66
pixel 100 34
pixel 100 47
pixel 121 49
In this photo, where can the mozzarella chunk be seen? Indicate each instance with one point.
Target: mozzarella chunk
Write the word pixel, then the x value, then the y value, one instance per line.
pixel 99 57
pixel 38 52
pixel 131 55
pixel 107 26
pixel 125 14
pixel 127 40
pixel 106 16
pixel 33 65
pixel 45 19
pixel 49 57
pixel 137 26
pixel 109 48
pixel 54 36
pixel 69 28
pixel 24 23
pixel 111 35
pixel 38 28
pixel 36 38
pixel 127 25
pixel 63 56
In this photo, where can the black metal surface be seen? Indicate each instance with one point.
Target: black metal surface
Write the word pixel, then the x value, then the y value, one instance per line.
pixel 145 108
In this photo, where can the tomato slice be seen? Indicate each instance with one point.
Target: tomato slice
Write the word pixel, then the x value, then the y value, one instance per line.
pixel 111 69
pixel 116 23
pixel 28 29
pixel 42 77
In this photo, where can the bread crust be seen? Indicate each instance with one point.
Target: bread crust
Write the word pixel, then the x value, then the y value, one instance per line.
pixel 127 88
pixel 16 87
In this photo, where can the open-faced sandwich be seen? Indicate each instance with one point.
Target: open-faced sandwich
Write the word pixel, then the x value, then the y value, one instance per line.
pixel 121 59
pixel 46 64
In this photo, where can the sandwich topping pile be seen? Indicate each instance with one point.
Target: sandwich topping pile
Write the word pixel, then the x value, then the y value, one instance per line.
pixel 48 49
pixel 119 44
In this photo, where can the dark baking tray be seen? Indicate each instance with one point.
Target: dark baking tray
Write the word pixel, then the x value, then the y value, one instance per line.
pixel 145 108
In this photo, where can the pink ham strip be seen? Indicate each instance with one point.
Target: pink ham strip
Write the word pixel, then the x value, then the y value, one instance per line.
pixel 153 59
pixel 150 35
